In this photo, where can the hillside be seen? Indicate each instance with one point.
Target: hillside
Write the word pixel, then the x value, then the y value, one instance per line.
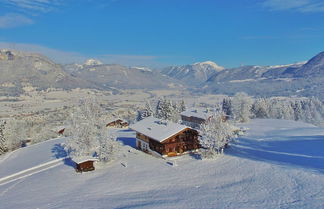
pixel 194 74
pixel 121 77
pixel 21 69
pixel 300 79
pixel 278 164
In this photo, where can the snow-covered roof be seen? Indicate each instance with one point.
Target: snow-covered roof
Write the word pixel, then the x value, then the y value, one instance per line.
pixel 197 113
pixel 157 129
pixel 83 159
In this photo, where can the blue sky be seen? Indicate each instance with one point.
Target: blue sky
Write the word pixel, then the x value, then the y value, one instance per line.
pixel 166 32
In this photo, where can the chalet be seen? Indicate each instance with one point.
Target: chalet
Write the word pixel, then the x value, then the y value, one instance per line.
pixel 194 117
pixel 164 138
pixel 119 123
pixel 84 164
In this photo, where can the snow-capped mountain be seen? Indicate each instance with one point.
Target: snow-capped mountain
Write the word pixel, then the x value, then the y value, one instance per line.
pixel 314 67
pixel 91 62
pixel 299 79
pixel 19 69
pixel 121 77
pixel 193 74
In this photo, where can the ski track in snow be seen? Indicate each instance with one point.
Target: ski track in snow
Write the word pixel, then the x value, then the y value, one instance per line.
pixel 30 171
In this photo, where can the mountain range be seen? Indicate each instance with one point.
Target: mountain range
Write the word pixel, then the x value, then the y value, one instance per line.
pixel 120 77
pixel 298 79
pixel 194 74
pixel 22 69
pixel 19 69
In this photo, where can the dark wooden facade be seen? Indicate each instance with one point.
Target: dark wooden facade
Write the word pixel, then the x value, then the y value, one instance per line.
pixel 193 119
pixel 61 132
pixel 85 166
pixel 117 124
pixel 181 142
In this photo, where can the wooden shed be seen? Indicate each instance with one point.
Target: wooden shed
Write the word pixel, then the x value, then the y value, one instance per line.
pixel 165 138
pixel 85 164
pixel 61 131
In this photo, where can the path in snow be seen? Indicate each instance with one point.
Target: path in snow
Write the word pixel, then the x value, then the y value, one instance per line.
pixel 30 171
pixel 32 156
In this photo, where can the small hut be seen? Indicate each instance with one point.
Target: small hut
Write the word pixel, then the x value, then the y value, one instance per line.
pixel 61 131
pixel 84 164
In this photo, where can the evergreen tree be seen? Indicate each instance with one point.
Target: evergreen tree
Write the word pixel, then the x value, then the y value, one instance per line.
pixel 227 107
pixel 260 108
pixel 297 110
pixel 146 112
pixel 181 106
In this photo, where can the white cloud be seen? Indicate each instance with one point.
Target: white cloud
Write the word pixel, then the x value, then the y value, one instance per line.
pixel 296 5
pixel 64 57
pixel 14 20
pixel 26 9
pixel 33 5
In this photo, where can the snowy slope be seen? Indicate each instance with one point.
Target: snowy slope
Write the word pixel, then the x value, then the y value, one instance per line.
pixel 279 164
pixel 194 74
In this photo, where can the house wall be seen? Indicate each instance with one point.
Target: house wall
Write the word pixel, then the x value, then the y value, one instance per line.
pixel 192 119
pixel 182 142
pixel 142 145
pixel 179 143
pixel 85 166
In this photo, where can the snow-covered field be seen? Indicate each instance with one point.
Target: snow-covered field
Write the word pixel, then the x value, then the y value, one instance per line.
pixel 278 164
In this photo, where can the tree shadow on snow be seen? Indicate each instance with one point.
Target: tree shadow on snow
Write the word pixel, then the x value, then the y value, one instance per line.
pixel 301 151
pixel 130 141
pixel 59 152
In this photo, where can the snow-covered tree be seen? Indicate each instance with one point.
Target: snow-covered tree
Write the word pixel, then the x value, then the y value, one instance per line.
pixel 216 134
pixel 169 110
pixel 181 106
pixel 260 108
pixel 3 147
pixel 88 132
pixel 146 112
pixel 164 109
pixel 227 107
pixel 15 133
pixel 297 110
pixel 108 146
pixel 242 104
